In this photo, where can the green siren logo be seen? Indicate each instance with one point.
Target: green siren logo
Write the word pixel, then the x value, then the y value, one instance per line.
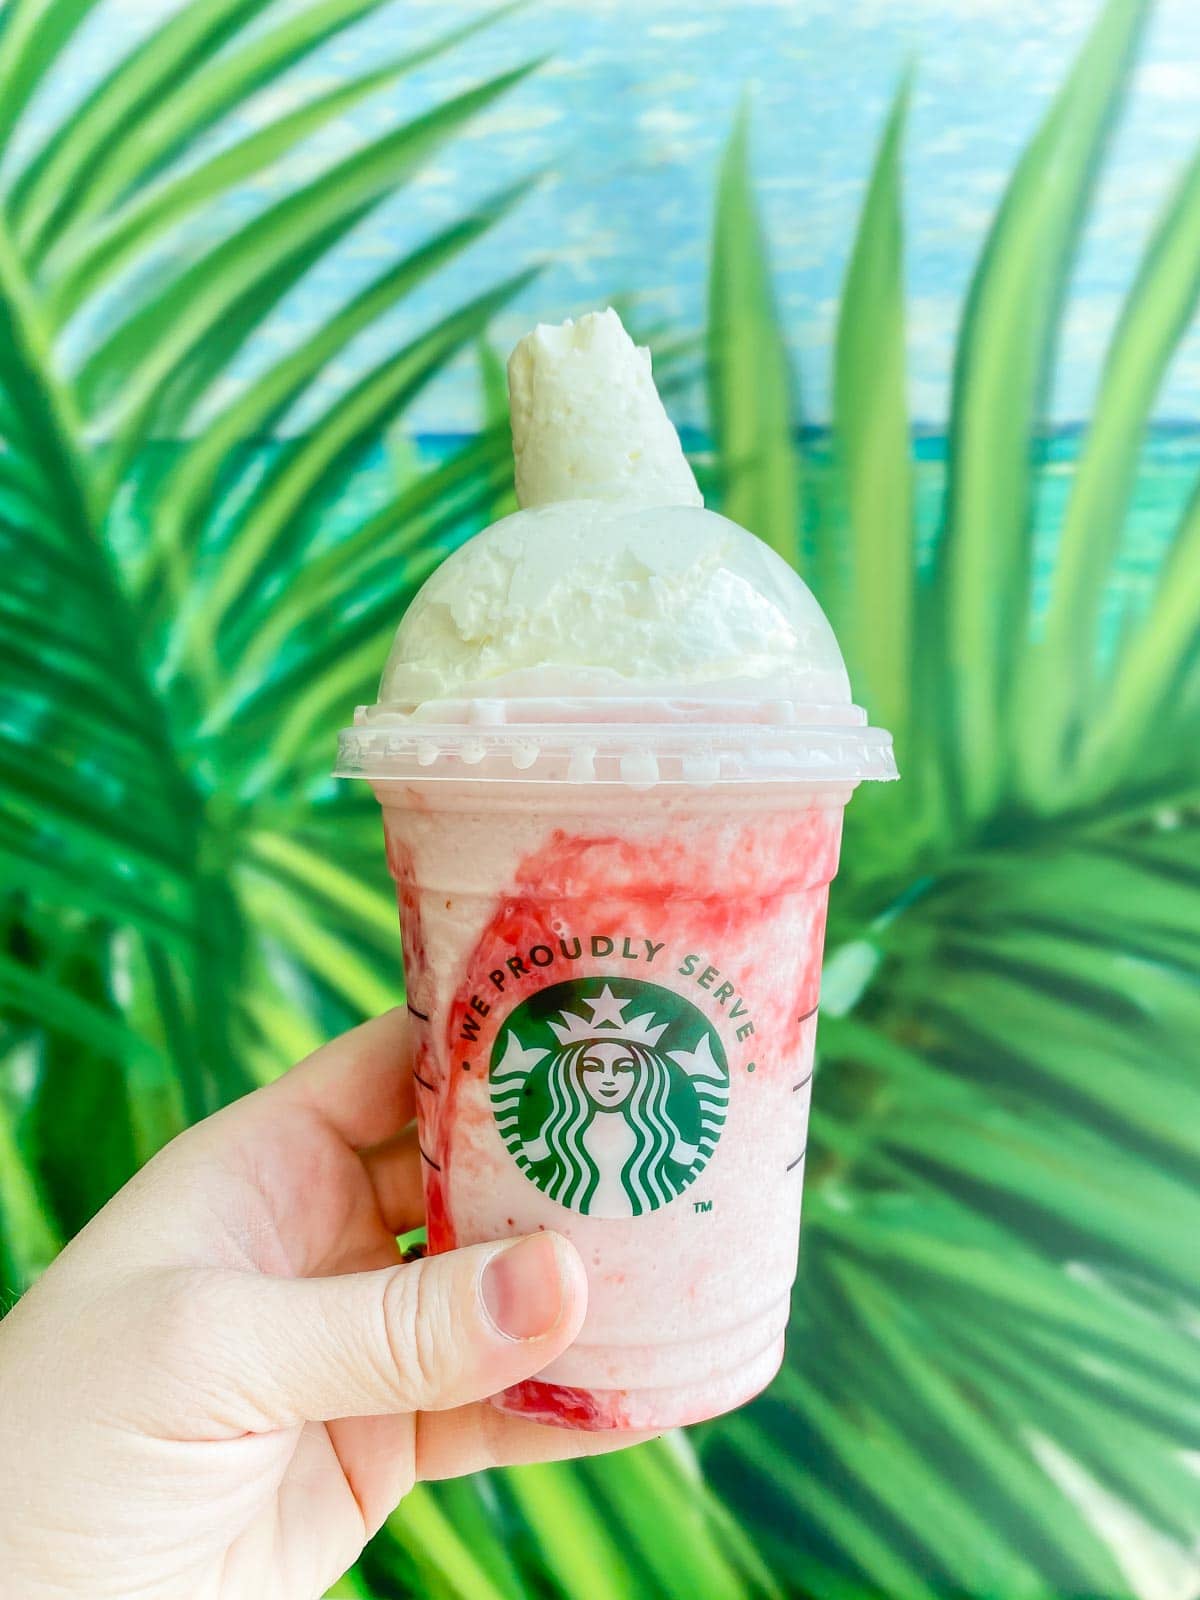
pixel 610 1093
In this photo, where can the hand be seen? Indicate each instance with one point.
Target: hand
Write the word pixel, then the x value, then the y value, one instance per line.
pixel 226 1382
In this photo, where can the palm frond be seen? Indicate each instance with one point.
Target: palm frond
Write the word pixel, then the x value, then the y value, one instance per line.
pixel 28 1241
pixel 1157 311
pixel 35 35
pixel 184 500
pixel 53 184
pixel 1143 727
pixel 151 369
pixel 997 1265
pixel 871 428
pixel 979 602
pixel 167 124
pixel 996 1274
pixel 306 474
pixel 751 403
pixel 112 820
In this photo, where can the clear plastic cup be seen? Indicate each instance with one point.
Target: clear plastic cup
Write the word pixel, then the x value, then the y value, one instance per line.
pixel 612 916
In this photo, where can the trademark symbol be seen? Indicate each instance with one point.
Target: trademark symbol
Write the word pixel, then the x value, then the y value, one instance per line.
pixel 701 1205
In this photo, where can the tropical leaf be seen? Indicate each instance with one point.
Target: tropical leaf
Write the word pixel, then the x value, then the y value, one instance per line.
pixel 1142 729
pixel 997 1271
pixel 493 378
pixel 397 547
pixel 35 34
pixel 104 827
pixel 52 183
pixel 205 312
pixel 166 125
pixel 190 905
pixel 1157 311
pixel 104 250
pixel 28 1240
pixel 184 499
pixel 979 601
pixel 306 474
pixel 996 1304
pixel 641 1523
pixel 870 420
pixel 751 404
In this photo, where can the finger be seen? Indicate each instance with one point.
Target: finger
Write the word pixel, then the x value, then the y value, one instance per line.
pixel 394 1169
pixel 382 1457
pixel 376 1456
pixel 450 1443
pixel 361 1082
pixel 433 1334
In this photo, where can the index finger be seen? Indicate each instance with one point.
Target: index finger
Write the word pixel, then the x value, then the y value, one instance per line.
pixel 473 1437
pixel 360 1082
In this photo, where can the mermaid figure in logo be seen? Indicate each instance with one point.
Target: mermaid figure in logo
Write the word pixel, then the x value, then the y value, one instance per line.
pixel 609 1145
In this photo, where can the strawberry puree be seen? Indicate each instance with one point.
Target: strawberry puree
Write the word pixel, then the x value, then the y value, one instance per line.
pixel 698 922
pixel 568 1408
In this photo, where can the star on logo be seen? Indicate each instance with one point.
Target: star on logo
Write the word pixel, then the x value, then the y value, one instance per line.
pixel 608 1021
pixel 607 1009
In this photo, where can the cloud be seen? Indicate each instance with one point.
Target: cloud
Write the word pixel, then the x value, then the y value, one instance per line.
pixel 1170 80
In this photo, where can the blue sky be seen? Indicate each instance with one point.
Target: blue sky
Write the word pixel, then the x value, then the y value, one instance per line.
pixel 628 116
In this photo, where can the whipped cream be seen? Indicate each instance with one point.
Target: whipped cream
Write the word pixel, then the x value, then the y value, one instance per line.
pixel 612 579
pixel 587 422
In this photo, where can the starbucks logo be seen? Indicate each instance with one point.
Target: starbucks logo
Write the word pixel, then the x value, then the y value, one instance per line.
pixel 610 1093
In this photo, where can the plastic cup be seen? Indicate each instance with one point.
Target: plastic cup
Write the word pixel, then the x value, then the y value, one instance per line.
pixel 612 918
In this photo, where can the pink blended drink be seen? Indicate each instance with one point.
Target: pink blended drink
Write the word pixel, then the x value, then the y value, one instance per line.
pixel 612 749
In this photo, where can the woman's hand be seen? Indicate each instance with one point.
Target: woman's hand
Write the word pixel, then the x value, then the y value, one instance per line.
pixel 226 1382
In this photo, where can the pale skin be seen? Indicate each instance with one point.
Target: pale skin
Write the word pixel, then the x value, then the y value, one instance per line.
pixel 229 1379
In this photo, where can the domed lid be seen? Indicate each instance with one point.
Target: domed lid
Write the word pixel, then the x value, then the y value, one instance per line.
pixel 623 634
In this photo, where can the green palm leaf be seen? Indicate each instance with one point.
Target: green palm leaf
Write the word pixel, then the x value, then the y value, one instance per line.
pixel 1143 726
pixel 1159 307
pixel 50 188
pixel 186 496
pixel 168 123
pixel 997 1273
pixel 400 543
pixel 998 1266
pixel 870 419
pixel 105 821
pixel 191 906
pixel 35 35
pixel 749 376
pixel 81 270
pixel 641 1523
pixel 204 313
pixel 307 474
pixel 979 602
pixel 28 1243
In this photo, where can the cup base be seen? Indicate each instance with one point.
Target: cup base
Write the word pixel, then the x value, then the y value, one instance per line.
pixel 640 1410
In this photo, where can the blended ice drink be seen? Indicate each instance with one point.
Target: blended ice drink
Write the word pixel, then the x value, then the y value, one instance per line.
pixel 613 745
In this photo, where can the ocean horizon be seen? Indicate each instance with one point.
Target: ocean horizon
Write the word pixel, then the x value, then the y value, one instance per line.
pixel 1166 481
pixel 625 121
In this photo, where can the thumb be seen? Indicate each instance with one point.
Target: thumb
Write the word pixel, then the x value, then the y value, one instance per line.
pixel 428 1335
